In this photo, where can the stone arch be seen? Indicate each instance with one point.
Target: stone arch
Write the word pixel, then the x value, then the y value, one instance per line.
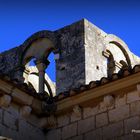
pixel 38 46
pixel 46 37
pixel 112 39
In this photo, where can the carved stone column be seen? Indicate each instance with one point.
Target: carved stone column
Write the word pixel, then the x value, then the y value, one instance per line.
pixel 41 66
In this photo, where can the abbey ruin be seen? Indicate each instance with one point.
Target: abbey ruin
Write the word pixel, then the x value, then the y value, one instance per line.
pixel 96 95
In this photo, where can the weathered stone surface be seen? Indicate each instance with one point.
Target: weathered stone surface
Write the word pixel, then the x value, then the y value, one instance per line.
pixel 77 138
pixel 135 108
pixel 5 100
pixel 112 130
pixel 13 109
pixel 74 45
pixel 25 111
pixel 106 104
pixel 90 111
pixel 5 87
pixel 86 125
pixel 10 121
pixel 126 137
pixel 133 96
pixel 22 97
pixel 28 131
pixel 63 120
pixel 108 100
pixel 75 117
pixel 8 133
pixel 101 120
pixel 36 105
pixel 136 137
pixel 119 113
pixel 1 115
pixel 96 134
pixel 132 123
pixel 102 107
pixel 120 100
pixel 54 134
pixel 33 120
pixel 69 131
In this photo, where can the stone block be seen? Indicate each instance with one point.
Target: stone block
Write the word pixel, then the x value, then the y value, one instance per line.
pixel 132 123
pixel 120 100
pixel 5 100
pixel 21 97
pixel 101 120
pixel 69 131
pixel 107 104
pixel 77 138
pixel 119 113
pixel 10 121
pixel 86 125
pixel 102 107
pixel 6 87
pixel 63 120
pixel 29 132
pixel 2 129
pixel 54 134
pixel 24 130
pixel 138 88
pixel 136 137
pixel 37 106
pixel 33 120
pixel 112 130
pixel 1 115
pixel 96 134
pixel 74 117
pixel 48 122
pixel 25 111
pixel 133 96
pixel 108 100
pixel 13 109
pixel 90 111
pixel 126 137
pixel 135 108
pixel 8 133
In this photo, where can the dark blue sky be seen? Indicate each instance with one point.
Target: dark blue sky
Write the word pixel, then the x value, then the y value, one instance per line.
pixel 21 18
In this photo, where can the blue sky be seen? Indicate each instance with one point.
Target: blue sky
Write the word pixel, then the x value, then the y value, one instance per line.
pixel 21 18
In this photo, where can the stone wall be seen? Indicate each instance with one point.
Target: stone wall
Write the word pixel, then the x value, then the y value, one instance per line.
pixel 16 127
pixel 110 118
pixel 70 67
pixel 94 45
pixel 82 54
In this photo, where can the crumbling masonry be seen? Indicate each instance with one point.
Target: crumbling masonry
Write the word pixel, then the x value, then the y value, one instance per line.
pixel 96 90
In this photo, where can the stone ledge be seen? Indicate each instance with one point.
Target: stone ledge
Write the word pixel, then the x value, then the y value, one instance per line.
pixel 79 99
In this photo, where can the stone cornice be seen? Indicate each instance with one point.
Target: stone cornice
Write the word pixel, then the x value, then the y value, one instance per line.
pixel 20 97
pixel 110 88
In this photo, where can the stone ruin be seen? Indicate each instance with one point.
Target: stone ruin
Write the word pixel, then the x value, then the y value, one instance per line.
pixel 82 53
pixel 97 87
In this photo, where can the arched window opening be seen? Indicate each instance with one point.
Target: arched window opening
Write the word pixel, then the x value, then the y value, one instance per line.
pixel 51 69
pixel 33 79
pixel 32 70
pixel 32 62
pixel 37 70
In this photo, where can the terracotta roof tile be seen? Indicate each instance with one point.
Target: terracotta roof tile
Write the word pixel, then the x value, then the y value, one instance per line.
pixel 93 84
pixel 104 80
